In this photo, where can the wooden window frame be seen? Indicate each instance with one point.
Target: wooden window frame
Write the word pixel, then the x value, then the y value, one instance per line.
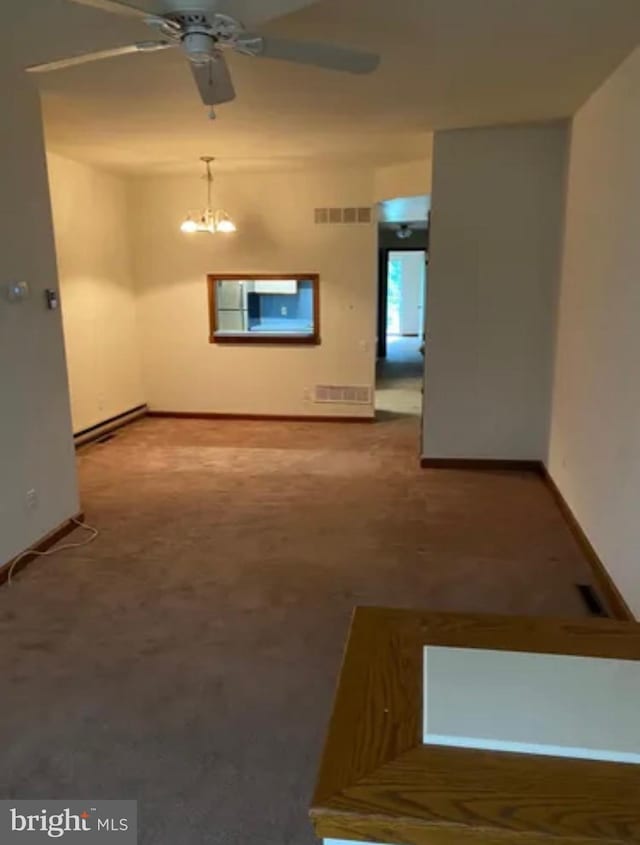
pixel 257 338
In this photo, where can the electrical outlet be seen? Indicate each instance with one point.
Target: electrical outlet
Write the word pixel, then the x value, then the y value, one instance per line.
pixel 32 499
pixel 284 311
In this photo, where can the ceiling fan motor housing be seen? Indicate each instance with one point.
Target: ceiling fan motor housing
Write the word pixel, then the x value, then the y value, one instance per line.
pixel 202 33
pixel 200 47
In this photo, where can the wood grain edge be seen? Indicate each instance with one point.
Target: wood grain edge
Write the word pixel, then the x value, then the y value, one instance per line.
pixel 266 340
pixel 377 710
pixel 389 796
pixel 443 795
pixel 617 604
pixel 408 831
pixel 588 636
pixel 355 827
pixel 301 418
pixel 482 464
pixel 42 545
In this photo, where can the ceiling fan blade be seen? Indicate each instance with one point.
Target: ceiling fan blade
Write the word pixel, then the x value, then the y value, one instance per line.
pixel 116 7
pixel 258 12
pixel 141 47
pixel 214 82
pixel 328 56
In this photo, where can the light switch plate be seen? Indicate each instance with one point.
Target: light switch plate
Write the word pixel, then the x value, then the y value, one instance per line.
pixel 52 299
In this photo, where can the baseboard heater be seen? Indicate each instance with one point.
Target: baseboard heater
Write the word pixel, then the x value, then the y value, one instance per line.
pixel 102 429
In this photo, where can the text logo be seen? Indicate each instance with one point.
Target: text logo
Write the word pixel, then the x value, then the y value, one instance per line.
pixel 83 822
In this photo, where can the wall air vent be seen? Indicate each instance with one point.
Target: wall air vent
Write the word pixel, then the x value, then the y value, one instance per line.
pixel 343 215
pixel 343 394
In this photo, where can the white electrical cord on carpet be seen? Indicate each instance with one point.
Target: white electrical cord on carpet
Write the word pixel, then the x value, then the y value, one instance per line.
pixel 32 552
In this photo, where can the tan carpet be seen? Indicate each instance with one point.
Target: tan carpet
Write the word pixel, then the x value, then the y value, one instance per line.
pixel 187 659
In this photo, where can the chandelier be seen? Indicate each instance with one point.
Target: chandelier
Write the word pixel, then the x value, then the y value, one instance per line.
pixel 208 220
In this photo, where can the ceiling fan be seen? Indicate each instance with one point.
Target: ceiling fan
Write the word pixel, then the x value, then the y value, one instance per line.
pixel 205 32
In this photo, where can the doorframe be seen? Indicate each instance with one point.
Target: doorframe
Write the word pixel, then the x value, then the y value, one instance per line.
pixel 383 291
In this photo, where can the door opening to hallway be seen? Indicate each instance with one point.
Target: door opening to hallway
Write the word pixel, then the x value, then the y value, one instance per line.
pixel 406 289
pixel 402 323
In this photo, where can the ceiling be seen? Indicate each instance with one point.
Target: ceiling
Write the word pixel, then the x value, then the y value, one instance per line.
pixel 445 64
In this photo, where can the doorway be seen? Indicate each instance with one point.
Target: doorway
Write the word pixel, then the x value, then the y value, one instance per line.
pixel 403 252
pixel 401 330
pixel 405 300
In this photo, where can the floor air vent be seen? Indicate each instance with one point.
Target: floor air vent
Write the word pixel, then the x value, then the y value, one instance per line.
pixel 342 394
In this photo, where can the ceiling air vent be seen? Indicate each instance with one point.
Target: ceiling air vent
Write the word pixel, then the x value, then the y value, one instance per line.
pixel 343 215
pixel 343 394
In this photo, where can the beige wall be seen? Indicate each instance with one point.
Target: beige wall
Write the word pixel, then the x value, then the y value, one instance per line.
pixel 36 447
pixel 595 432
pixel 277 234
pixel 407 179
pixel 92 232
pixel 497 208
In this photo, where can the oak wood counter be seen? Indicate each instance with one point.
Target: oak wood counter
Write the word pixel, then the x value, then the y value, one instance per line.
pixel 379 783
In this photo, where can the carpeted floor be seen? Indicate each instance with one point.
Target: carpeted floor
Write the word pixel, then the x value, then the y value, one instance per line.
pixel 187 658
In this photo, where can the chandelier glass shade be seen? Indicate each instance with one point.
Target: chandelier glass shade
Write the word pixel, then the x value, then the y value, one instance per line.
pixel 208 220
